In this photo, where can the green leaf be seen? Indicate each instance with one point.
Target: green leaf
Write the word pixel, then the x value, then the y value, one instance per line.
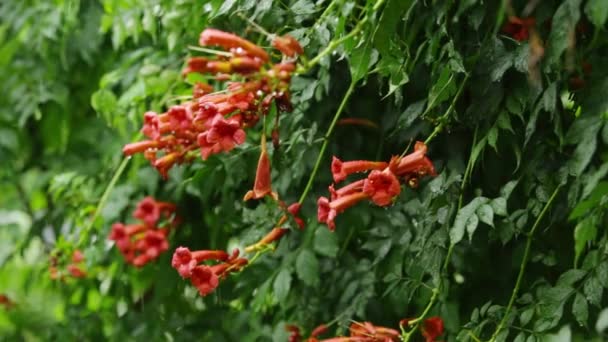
pixel 325 242
pixel 462 219
pixel 105 103
pixel 602 321
pixel 570 277
pixel 492 137
pixel 471 225
pixel 521 337
pixel 411 113
pixel 226 6
pixel 443 88
pixel 584 151
pixel 597 12
pixel 584 232
pixel 526 316
pixel 593 291
pixel 563 23
pixel 307 268
pixel 563 335
pixel 602 273
pixel 360 60
pixel 580 309
pixel 486 214
pixel 282 284
pixel 499 206
pixel 507 189
pixel 391 14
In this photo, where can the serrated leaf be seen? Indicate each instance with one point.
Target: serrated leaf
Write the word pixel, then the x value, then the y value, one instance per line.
pixel 584 232
pixel 580 309
pixel 593 291
pixel 564 23
pixel 105 103
pixel 282 284
pixel 584 151
pixel 387 24
pixel 307 268
pixel 521 337
pixel 462 219
pixel 602 273
pixel 411 113
pixel 486 214
pixel 597 12
pixel 360 60
pixel 526 316
pixel 326 242
pixel 570 277
pixel 499 206
pixel 507 189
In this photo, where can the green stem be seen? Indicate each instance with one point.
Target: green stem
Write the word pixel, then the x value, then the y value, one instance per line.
pixel 311 179
pixel 467 171
pixel 444 117
pixel 102 202
pixel 524 262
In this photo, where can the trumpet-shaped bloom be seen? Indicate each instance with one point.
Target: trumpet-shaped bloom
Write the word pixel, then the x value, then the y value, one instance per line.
pixel 204 279
pixel 432 328
pixel 382 187
pixel 148 211
pixel 184 261
pixel 223 135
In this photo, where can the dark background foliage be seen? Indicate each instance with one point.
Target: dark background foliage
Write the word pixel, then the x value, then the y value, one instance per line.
pixel 519 145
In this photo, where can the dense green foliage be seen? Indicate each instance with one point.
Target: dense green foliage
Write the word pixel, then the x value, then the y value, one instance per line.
pixel 507 243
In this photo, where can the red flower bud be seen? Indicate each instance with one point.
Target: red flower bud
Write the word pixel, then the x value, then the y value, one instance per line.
pixel 228 41
pixel 262 184
pixel 340 170
pixel 140 146
pixel 288 45
pixel 76 271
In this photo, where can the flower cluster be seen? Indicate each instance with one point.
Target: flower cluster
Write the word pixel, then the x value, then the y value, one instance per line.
pixel 206 277
pixel 74 269
pixel 143 242
pixel 368 332
pixel 215 121
pixel 382 185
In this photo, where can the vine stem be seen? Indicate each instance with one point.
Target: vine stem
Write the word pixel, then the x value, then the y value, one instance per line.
pixel 524 262
pixel 315 169
pixel 104 198
pixel 436 291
